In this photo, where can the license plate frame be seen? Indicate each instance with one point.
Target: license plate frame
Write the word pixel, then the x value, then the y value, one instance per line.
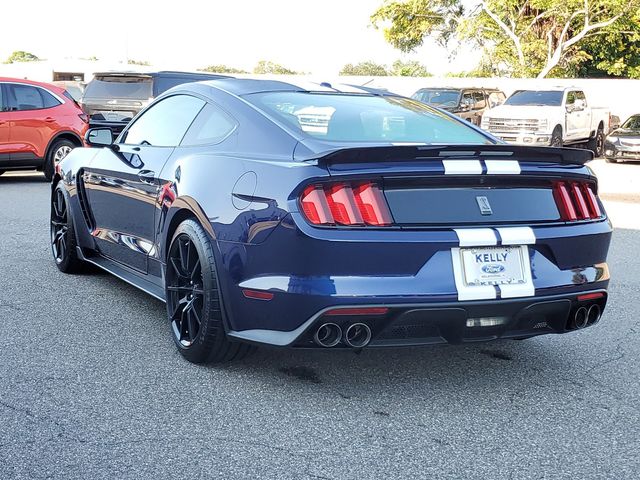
pixel 494 265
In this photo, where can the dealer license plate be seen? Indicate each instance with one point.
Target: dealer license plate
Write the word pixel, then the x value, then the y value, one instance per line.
pixel 494 265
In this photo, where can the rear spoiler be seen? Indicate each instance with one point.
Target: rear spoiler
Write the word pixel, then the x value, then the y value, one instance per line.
pixel 360 154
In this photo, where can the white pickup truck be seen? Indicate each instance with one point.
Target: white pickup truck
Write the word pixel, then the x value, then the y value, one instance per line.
pixel 553 116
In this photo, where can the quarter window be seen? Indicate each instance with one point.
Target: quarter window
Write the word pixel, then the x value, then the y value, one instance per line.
pixel 164 123
pixel 211 126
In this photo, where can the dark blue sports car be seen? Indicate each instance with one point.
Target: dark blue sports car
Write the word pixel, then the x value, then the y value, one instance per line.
pixel 265 213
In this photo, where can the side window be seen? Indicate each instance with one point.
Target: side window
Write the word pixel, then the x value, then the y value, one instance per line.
pixel 26 97
pixel 478 97
pixel 211 126
pixel 496 98
pixel 580 96
pixel 467 99
pixel 48 100
pixel 2 105
pixel 571 98
pixel 164 123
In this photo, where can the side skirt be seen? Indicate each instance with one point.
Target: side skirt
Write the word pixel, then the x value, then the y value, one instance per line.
pixel 123 273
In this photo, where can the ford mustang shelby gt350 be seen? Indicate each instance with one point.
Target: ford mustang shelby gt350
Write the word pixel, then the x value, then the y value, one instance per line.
pixel 265 213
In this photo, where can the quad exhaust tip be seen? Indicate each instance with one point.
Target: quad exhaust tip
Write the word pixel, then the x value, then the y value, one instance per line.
pixel 594 314
pixel 328 335
pixel 581 317
pixel 358 335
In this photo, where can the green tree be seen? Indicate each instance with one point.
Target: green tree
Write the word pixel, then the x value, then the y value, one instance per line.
pixel 517 37
pixel 144 63
pixel 410 68
pixel 265 66
pixel 368 69
pixel 222 69
pixel 21 56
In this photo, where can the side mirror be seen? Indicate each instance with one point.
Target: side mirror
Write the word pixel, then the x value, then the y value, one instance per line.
pixel 99 137
pixel 464 107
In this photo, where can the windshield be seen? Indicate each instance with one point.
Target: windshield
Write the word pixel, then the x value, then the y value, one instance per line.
pixel 365 118
pixel 633 123
pixel 535 97
pixel 135 88
pixel 439 97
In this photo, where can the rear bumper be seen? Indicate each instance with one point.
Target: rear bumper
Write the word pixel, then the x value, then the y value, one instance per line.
pixel 410 324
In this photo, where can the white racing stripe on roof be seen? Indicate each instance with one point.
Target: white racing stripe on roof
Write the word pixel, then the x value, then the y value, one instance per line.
pixel 462 167
pixel 476 237
pixel 502 167
pixel 517 236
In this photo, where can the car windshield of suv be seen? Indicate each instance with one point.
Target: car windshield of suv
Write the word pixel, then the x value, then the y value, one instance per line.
pixel 633 123
pixel 121 87
pixel 536 97
pixel 365 118
pixel 438 97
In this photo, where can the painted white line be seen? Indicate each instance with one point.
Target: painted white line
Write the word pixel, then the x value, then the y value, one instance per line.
pixel 517 236
pixel 468 292
pixel 476 237
pixel 462 167
pixel 502 167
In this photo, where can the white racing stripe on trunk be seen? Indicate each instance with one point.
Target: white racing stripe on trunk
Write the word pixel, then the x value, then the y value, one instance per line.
pixel 517 236
pixel 502 167
pixel 523 289
pixel 476 237
pixel 462 167
pixel 465 292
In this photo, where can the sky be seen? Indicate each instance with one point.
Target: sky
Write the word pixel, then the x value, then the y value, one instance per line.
pixel 318 37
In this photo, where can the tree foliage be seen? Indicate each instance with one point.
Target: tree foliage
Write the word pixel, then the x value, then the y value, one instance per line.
pixel 222 69
pixel 367 68
pixel 522 37
pixel 21 56
pixel 409 68
pixel 265 66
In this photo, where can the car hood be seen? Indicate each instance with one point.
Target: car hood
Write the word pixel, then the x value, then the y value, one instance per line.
pixel 521 112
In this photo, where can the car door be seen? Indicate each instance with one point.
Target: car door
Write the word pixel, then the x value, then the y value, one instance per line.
pixel 32 122
pixel 584 119
pixel 122 181
pixel 575 117
pixel 5 126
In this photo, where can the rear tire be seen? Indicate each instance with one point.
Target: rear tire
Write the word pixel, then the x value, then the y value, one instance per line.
pixel 63 237
pixel 194 306
pixel 556 137
pixel 596 144
pixel 55 155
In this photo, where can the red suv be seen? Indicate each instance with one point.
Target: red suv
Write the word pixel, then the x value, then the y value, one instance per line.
pixel 40 124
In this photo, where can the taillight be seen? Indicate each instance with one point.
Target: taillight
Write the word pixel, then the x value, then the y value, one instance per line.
pixel 352 204
pixel 576 201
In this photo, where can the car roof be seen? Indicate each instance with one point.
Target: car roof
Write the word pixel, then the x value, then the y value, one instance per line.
pixel 161 73
pixel 50 86
pixel 246 86
pixel 492 89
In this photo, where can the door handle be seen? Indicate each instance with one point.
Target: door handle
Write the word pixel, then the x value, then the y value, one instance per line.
pixel 49 119
pixel 147 176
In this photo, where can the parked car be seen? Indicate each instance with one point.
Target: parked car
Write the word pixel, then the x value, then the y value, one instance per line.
pixel 624 143
pixel 112 99
pixel 554 116
pixel 40 124
pixel 397 224
pixel 467 103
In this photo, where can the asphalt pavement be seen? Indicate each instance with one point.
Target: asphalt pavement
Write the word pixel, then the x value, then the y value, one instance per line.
pixel 91 386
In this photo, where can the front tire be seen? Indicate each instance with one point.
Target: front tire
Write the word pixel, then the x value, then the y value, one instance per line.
pixel 56 154
pixel 193 298
pixel 556 137
pixel 63 237
pixel 596 144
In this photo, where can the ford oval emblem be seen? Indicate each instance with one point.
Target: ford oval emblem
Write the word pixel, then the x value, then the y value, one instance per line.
pixel 493 268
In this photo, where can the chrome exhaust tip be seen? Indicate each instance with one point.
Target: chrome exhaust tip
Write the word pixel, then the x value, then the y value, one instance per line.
pixel 594 314
pixel 358 335
pixel 328 335
pixel 581 317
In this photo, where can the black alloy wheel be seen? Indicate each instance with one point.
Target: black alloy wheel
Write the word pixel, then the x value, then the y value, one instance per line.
pixel 194 306
pixel 63 242
pixel 556 137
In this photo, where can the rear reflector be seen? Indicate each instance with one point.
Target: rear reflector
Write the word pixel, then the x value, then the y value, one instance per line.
pixel 357 204
pixel 358 311
pixel 576 201
pixel 590 296
pixel 257 295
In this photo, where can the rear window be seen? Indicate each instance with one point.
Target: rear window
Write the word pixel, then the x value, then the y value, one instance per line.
pixel 439 97
pixel 122 87
pixel 365 118
pixel 535 97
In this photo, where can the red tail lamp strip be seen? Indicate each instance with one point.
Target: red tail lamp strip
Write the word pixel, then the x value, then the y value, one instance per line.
pixel 576 201
pixel 358 311
pixel 592 201
pixel 257 294
pixel 583 211
pixel 563 199
pixel 590 296
pixel 357 204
